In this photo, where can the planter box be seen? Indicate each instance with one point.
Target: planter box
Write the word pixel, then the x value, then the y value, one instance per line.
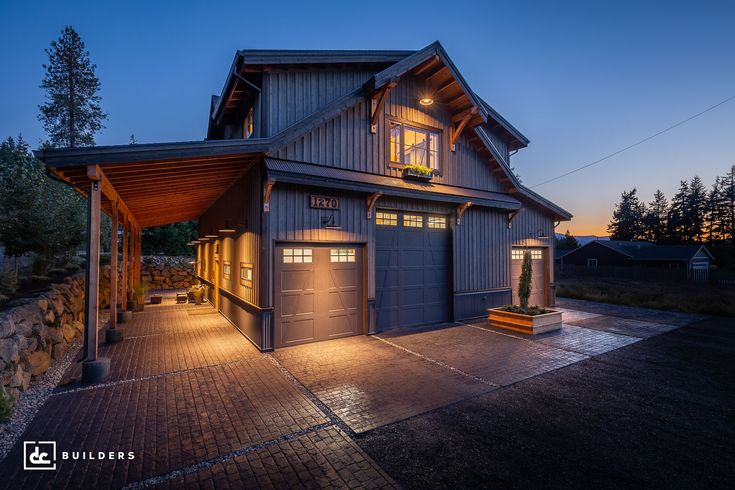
pixel 413 175
pixel 528 324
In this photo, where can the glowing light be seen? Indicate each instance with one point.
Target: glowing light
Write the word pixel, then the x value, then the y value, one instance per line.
pixel 426 101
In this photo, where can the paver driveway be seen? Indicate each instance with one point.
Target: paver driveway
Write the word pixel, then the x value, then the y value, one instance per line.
pixel 200 407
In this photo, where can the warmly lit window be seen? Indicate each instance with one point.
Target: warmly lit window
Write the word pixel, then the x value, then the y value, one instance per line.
pixel 249 124
pixel 413 220
pixel 342 255
pixel 437 222
pixel 536 254
pixel 386 219
pixel 246 274
pixel 414 145
pixel 297 256
pixel 226 270
pixel 592 263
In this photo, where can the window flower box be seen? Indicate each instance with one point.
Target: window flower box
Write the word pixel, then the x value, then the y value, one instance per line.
pixel 528 324
pixel 418 172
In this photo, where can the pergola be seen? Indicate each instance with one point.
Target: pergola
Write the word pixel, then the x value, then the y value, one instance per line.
pixel 140 186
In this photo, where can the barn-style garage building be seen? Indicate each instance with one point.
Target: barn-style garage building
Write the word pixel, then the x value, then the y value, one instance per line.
pixel 342 193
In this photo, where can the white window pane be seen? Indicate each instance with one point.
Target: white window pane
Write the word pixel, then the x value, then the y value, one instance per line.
pixel 287 260
pixel 307 259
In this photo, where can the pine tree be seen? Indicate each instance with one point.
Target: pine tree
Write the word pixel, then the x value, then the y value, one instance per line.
pixel 726 207
pixel 712 213
pixel 655 218
pixel 567 243
pixel 627 219
pixel 72 113
pixel 676 221
pixel 696 210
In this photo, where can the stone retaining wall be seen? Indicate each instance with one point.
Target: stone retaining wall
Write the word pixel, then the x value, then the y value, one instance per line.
pixel 39 330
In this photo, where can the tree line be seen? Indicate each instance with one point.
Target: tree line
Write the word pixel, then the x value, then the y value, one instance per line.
pixel 40 216
pixel 694 214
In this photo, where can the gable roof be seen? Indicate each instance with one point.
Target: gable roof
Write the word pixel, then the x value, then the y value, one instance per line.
pixel 626 247
pixel 647 251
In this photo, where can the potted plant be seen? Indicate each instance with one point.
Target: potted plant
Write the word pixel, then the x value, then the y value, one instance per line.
pixel 522 318
pixel 198 296
pixel 417 172
pixel 139 294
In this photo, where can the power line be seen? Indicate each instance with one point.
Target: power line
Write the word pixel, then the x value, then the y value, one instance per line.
pixel 606 157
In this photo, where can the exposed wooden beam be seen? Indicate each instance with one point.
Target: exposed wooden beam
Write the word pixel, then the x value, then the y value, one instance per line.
pixel 267 188
pixel 512 215
pixel 92 284
pixel 113 266
pixel 371 201
pixel 124 279
pixel 454 132
pixel 95 174
pixel 377 102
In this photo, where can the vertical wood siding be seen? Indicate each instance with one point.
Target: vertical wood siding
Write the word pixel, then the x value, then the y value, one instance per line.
pixel 290 96
pixel 240 205
pixel 346 140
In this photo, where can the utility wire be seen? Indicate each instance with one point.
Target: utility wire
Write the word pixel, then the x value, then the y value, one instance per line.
pixel 606 157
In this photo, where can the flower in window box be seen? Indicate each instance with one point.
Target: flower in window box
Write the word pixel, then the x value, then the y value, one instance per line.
pixel 417 172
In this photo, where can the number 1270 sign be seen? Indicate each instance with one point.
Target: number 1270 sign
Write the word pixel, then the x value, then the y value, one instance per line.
pixel 324 202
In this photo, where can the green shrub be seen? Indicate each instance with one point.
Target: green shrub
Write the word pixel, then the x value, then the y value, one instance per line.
pixel 419 169
pixel 6 406
pixel 41 265
pixel 8 284
pixel 524 283
pixel 531 310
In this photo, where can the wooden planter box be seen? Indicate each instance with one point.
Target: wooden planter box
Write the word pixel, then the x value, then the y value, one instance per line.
pixel 410 174
pixel 528 324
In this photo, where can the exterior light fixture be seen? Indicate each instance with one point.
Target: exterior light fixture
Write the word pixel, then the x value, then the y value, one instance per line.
pixel 329 223
pixel 203 239
pixel 426 101
pixel 227 228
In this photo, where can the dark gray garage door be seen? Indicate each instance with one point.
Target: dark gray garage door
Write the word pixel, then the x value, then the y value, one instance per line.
pixel 319 293
pixel 412 253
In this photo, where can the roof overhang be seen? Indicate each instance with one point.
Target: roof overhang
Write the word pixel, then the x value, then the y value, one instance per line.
pixel 292 172
pixel 161 183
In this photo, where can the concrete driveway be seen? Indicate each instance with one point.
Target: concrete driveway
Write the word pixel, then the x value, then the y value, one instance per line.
pixel 199 406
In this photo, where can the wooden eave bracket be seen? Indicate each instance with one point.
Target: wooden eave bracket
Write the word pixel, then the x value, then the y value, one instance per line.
pixel 267 188
pixel 455 131
pixel 371 201
pixel 98 177
pixel 377 102
pixel 461 209
pixel 512 215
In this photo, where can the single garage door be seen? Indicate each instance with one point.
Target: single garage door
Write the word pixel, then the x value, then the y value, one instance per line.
pixel 412 273
pixel 319 292
pixel 539 281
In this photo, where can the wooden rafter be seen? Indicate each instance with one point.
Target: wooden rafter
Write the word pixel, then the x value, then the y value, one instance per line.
pixel 461 209
pixel 95 174
pixel 371 201
pixel 377 102
pixel 454 132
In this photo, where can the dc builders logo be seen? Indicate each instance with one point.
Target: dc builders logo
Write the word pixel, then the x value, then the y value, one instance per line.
pixel 41 455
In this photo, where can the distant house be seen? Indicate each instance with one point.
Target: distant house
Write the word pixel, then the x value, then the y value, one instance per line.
pixel 695 259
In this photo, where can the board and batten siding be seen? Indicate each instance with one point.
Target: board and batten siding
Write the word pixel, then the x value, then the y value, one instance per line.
pixel 527 226
pixel 289 96
pixel 240 206
pixel 346 141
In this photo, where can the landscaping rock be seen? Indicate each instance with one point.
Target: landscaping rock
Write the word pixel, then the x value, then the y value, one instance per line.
pixel 39 362
pixel 59 350
pixel 55 336
pixel 9 350
pixel 79 326
pixel 7 326
pixel 69 332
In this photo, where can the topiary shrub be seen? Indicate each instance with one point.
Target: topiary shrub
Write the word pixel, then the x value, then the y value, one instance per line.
pixel 524 283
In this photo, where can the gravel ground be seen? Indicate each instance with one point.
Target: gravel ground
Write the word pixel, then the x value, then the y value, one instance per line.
pixel 658 413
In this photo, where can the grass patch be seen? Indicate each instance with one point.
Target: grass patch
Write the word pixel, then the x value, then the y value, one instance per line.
pixel 689 297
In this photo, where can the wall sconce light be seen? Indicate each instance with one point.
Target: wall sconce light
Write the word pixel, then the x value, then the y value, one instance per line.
pixel 203 239
pixel 329 223
pixel 227 228
pixel 211 234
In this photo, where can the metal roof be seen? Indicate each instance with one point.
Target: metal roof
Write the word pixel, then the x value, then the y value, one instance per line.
pixel 309 173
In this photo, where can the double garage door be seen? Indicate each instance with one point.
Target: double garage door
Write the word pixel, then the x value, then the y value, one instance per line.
pixel 412 272
pixel 539 274
pixel 319 292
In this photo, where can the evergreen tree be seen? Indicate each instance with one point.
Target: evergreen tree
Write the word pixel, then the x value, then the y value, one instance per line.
pixel 676 221
pixel 627 219
pixel 567 243
pixel 655 218
pixel 713 213
pixel 726 205
pixel 696 206
pixel 169 239
pixel 72 113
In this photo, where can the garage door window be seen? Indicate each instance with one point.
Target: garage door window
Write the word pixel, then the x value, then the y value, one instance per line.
pixel 413 220
pixel 297 256
pixel 386 219
pixel 342 255
pixel 536 254
pixel 437 222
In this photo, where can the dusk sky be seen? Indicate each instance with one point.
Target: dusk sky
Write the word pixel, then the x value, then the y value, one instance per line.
pixel 579 79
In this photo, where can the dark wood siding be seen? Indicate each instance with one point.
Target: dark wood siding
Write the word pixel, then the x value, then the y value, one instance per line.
pixel 605 256
pixel 346 141
pixel 289 96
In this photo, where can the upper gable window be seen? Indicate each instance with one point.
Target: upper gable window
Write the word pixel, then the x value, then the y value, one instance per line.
pixel 414 145
pixel 248 125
